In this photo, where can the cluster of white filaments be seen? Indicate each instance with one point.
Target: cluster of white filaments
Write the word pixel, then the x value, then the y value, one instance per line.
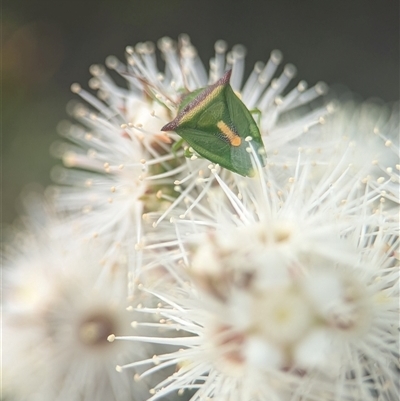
pixel 58 313
pixel 164 271
pixel 292 284
pixel 121 171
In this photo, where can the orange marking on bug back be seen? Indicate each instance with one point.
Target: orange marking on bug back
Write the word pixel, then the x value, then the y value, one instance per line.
pixel 234 139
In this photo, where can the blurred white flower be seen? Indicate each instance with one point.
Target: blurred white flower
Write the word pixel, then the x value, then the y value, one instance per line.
pixel 361 137
pixel 59 308
pixel 373 129
pixel 116 177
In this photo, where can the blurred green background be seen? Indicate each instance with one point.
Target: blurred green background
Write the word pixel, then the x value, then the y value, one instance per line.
pixel 47 45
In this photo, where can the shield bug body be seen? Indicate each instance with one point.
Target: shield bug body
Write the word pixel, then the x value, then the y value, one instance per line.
pixel 219 127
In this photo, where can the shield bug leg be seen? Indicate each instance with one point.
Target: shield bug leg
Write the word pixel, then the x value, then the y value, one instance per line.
pixel 256 112
pixel 177 145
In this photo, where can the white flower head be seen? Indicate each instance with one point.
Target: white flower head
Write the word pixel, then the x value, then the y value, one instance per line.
pixel 372 130
pixel 263 324
pixel 114 177
pixel 60 307
pixel 360 137
pixel 289 285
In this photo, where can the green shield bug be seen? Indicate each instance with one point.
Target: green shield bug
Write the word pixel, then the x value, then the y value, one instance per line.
pixel 219 127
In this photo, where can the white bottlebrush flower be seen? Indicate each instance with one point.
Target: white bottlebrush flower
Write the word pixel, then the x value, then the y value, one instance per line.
pixel 373 128
pixel 290 293
pixel 325 335
pixel 362 137
pixel 120 167
pixel 118 174
pixel 59 307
